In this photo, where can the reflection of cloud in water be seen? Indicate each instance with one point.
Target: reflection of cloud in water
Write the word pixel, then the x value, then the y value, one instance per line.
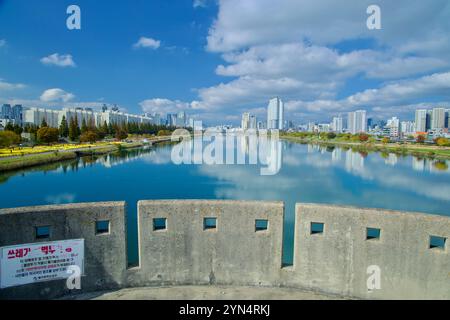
pixel 60 198
pixel 386 174
pixel 246 183
pixel 161 157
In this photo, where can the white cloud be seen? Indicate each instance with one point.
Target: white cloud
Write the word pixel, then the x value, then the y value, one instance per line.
pixel 64 60
pixel 308 51
pixel 393 98
pixel 2 43
pixel 164 105
pixel 241 24
pixel 6 86
pixel 56 94
pixel 144 42
pixel 60 198
pixel 436 85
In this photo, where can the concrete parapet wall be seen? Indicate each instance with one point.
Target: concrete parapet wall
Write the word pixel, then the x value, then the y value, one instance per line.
pixel 232 253
pixel 105 255
pixel 336 261
pixel 235 253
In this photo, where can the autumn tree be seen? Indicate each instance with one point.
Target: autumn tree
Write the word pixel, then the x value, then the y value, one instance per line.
pixel 47 135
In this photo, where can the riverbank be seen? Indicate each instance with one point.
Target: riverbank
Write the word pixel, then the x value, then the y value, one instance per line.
pixel 15 163
pixel 35 159
pixel 433 152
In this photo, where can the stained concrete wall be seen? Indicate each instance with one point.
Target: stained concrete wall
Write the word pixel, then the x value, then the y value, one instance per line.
pixel 105 255
pixel 234 253
pixel 334 262
pixel 337 260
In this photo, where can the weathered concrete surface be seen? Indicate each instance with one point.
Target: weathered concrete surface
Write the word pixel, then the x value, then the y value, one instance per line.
pixel 105 255
pixel 234 254
pixel 337 260
pixel 185 253
pixel 204 293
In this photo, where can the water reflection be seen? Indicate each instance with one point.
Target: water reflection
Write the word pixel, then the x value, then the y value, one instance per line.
pixel 307 173
pixel 107 161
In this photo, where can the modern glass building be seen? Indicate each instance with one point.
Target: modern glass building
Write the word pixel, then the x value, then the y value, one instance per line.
pixel 275 114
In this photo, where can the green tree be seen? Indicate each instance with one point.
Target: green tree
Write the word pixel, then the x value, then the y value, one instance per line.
pixel 73 129
pixel 17 129
pixel 9 127
pixel 164 133
pixel 64 128
pixel 47 135
pixel 385 140
pixel 8 138
pixel 331 135
pixel 44 123
pixel 84 127
pixel 121 134
pixel 89 136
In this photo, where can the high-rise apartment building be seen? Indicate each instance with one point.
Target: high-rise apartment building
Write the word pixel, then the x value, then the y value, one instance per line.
pixel 357 121
pixel 438 118
pixel 421 120
pixel 253 122
pixel 337 124
pixel 245 123
pixel 275 114
pixel 393 126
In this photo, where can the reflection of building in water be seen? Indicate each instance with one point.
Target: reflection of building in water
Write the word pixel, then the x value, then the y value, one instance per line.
pixel 336 155
pixel 391 159
pixel 271 158
pixel 313 148
pixel 244 143
pixel 418 164
pixel 354 161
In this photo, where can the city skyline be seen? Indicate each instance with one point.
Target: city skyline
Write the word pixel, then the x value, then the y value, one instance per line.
pixel 387 72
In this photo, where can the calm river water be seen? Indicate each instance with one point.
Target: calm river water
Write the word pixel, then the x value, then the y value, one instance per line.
pixel 307 174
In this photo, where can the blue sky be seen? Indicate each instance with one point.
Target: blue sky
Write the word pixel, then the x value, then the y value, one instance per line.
pixel 217 59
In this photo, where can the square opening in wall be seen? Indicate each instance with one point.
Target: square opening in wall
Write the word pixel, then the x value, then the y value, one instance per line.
pixel 261 225
pixel 43 232
pixel 159 224
pixel 102 227
pixel 209 223
pixel 317 227
pixel 373 233
pixel 437 242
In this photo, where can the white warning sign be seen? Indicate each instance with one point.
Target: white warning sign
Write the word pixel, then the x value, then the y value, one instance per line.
pixel 38 262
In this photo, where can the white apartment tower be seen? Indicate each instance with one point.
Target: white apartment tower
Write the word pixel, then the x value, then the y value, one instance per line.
pixel 438 118
pixel 245 123
pixel 421 120
pixel 275 114
pixel 337 124
pixel 357 121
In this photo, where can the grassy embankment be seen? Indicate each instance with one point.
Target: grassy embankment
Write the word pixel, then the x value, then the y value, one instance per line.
pixel 415 149
pixel 14 163
pixel 28 157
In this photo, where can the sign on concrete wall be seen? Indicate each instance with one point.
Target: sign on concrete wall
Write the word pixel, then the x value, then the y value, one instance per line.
pixel 38 262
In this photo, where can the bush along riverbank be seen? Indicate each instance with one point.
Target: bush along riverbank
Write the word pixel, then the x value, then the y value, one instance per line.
pixel 25 161
pixel 418 150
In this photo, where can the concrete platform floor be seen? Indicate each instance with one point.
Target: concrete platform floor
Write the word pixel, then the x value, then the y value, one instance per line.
pixel 204 293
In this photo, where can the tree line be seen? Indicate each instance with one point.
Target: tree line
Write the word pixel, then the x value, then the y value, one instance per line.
pixel 70 130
